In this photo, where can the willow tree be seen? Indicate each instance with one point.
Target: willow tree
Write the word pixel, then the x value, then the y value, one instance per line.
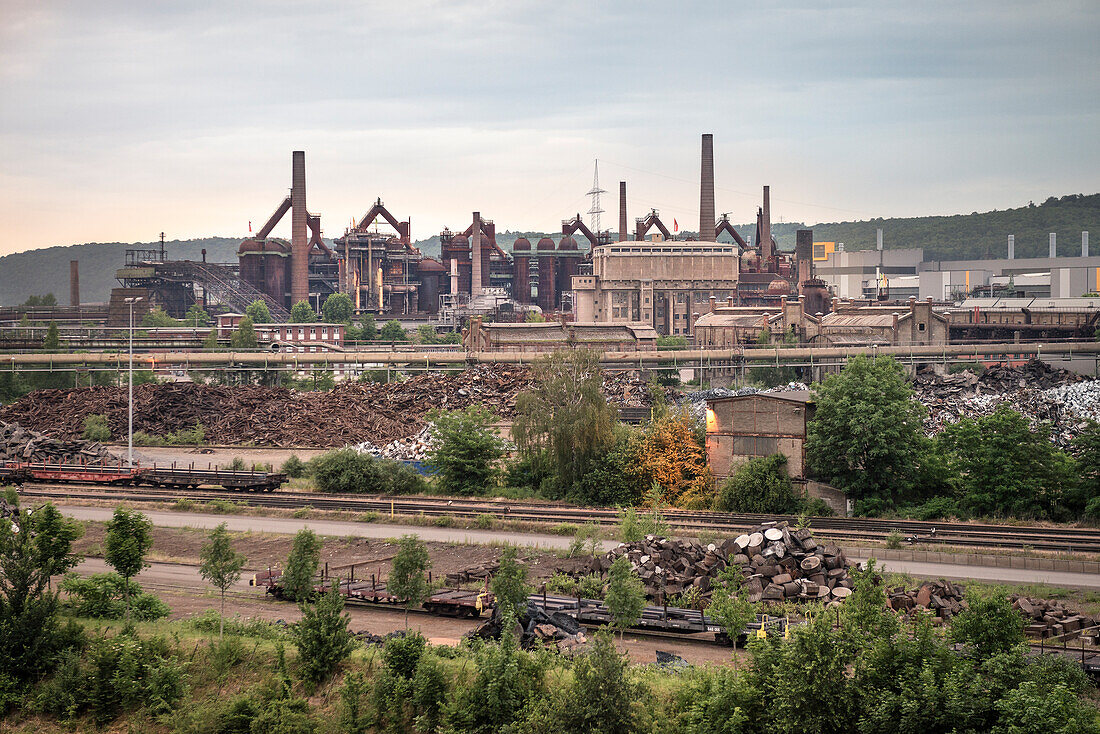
pixel 566 417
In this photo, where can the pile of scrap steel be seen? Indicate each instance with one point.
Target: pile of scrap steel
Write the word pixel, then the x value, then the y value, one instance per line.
pixel 1051 618
pixel 777 563
pixel 21 444
pixel 536 628
pixel 354 412
pixel 1065 399
pixel 480 572
pixel 943 598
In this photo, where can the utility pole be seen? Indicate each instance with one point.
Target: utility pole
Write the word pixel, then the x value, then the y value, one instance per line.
pixel 130 413
pixel 596 210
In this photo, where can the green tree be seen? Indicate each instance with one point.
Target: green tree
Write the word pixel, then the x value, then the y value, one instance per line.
pixel 33 547
pixel 52 341
pixel 601 698
pixel 625 597
pixel 157 318
pixel 729 606
pixel 129 538
pixel 392 332
pixel 1034 708
pixel 221 565
pixel 322 636
pixel 210 343
pixel 465 451
pixel 1086 447
pixel 244 336
pixel 988 626
pixel 509 584
pixel 197 316
pixel 760 485
pixel 865 611
pixel 566 416
pixel 1005 468
pixel 301 566
pixel 302 313
pixel 409 578
pixel 46 301
pixel 866 435
pixel 368 331
pixel 258 312
pixel 425 334
pixel 338 308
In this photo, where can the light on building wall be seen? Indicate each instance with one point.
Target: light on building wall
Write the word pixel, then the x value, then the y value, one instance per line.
pixel 712 421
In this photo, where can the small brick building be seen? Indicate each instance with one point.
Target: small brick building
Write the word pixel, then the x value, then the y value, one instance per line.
pixel 744 427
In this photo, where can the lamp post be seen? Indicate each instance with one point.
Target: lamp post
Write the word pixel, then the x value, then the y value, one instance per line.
pixel 130 416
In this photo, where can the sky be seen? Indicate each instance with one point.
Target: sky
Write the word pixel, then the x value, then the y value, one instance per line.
pixel 119 120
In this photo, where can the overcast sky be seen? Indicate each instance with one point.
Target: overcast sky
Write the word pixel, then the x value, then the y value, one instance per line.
pixel 121 119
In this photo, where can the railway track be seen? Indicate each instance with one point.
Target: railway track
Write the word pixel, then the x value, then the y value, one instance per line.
pixel 980 535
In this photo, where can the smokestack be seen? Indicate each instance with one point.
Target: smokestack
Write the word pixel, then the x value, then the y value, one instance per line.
pixel 1012 247
pixel 1084 244
pixel 299 242
pixel 623 235
pixel 706 190
pixel 878 239
pixel 1053 244
pixel 74 280
pixel 766 226
pixel 804 255
pixel 475 256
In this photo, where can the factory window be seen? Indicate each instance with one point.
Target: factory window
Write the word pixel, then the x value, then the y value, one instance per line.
pixel 313 333
pixel 301 333
pixel 920 326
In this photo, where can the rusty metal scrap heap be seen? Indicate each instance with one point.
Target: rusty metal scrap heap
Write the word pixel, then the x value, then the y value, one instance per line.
pixel 351 413
pixel 21 444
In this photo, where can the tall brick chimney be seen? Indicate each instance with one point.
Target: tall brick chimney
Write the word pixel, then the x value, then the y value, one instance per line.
pixel 624 235
pixel 74 283
pixel 475 256
pixel 766 226
pixel 706 190
pixel 299 241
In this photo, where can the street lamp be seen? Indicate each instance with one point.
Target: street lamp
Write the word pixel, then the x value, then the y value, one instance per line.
pixel 130 419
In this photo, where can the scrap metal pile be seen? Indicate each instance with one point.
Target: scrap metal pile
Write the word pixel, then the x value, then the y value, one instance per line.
pixel 536 627
pixel 349 414
pixel 777 563
pixel 943 598
pixel 1046 617
pixel 21 444
pixel 1042 393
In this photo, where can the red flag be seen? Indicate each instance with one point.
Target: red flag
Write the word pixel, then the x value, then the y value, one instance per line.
pixel 250 227
pixel 675 226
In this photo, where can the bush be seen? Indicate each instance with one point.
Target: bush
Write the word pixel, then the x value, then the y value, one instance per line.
pixel 96 429
pixel 939 508
pixel 225 507
pixel 348 471
pixel 466 450
pixel 760 485
pixel 293 467
pixel 484 521
pixel 186 437
pixel 816 507
pixel 101 596
pixel 322 637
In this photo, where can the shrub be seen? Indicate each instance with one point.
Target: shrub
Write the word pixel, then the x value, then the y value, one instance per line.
pixel 261 629
pixel 893 540
pixel 484 521
pixel 322 637
pixel 293 467
pixel 444 521
pixel 96 429
pixel 186 437
pixel 101 596
pixel 184 505
pixel 760 485
pixel 142 438
pixel 225 507
pixel 939 508
pixel 466 450
pixel 348 471
pixel 816 507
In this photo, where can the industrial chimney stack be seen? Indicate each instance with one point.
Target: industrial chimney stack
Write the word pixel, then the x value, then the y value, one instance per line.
pixel 475 256
pixel 766 227
pixel 74 282
pixel 1012 247
pixel 706 191
pixel 623 235
pixel 299 242
pixel 1084 244
pixel 1053 245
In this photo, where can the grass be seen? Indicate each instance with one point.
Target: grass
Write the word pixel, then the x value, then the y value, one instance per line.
pixel 225 507
pixel 302 512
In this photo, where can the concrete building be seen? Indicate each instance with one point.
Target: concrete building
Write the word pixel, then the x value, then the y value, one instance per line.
pixel 666 285
pixel 744 427
pixel 917 322
pixel 855 274
pixel 313 337
pixel 538 338
pixel 1038 277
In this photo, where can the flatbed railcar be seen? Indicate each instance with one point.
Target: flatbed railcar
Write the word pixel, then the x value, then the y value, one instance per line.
pixel 121 475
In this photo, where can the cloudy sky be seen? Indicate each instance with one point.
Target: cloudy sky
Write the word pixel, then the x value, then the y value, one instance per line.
pixel 121 119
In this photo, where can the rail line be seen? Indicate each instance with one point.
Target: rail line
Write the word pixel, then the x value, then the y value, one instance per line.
pixel 981 535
